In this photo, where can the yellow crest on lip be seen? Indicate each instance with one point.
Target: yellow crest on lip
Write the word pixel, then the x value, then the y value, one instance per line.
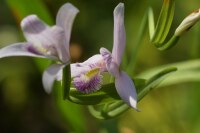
pixel 38 46
pixel 92 73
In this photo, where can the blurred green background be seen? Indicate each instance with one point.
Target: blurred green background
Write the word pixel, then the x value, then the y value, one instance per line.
pixel 26 108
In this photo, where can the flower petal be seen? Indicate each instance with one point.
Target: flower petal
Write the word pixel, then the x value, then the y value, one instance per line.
pixel 77 69
pixel 51 74
pixel 45 40
pixel 18 49
pixel 32 26
pixel 111 65
pixel 89 81
pixel 119 34
pixel 96 61
pixel 126 89
pixel 107 56
pixel 65 19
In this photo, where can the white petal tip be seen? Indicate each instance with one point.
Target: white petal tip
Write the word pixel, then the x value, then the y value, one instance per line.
pixel 133 103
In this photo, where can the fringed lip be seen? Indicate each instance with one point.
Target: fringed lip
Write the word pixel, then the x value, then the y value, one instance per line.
pixel 88 82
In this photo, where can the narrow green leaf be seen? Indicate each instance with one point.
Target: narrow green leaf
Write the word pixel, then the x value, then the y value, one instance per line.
pixel 106 94
pixel 99 97
pixel 154 81
pixel 66 81
pixel 116 108
pixel 71 113
pixel 168 21
pixel 188 71
pixel 99 114
pixel 170 43
pixel 164 22
pixel 182 77
pixel 181 66
pixel 151 23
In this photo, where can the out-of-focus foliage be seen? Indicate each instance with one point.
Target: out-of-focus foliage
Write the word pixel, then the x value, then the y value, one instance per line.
pixel 24 106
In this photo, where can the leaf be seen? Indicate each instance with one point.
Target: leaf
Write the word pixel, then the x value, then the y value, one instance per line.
pixel 66 81
pixel 154 81
pixel 188 71
pixel 71 113
pixel 116 108
pixel 106 94
pixel 164 22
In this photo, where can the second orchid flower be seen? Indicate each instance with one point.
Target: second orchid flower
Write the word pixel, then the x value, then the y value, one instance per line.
pixel 87 76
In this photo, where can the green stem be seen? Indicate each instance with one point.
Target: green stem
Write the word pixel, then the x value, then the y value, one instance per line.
pixel 66 81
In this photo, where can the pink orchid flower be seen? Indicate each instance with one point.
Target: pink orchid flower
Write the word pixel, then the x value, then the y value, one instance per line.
pixel 87 76
pixel 45 41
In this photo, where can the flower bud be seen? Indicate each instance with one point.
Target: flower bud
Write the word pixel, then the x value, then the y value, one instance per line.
pixel 188 22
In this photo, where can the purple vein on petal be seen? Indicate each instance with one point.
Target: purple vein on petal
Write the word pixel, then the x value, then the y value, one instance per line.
pixel 32 24
pixel 17 49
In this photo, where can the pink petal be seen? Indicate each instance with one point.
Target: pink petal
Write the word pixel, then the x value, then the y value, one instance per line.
pixel 51 74
pixel 18 49
pixel 65 19
pixel 126 89
pixel 119 34
pixel 96 61
pixel 44 39
pixel 77 69
pixel 32 27
pixel 111 65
